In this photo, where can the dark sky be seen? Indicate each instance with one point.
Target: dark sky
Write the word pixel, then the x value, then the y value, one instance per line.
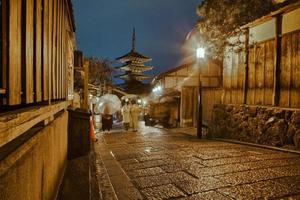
pixel 104 28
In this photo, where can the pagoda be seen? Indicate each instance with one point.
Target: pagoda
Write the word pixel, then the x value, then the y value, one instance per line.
pixel 133 68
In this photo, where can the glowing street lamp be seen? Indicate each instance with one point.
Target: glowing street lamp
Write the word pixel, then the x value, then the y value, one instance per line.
pixel 157 89
pixel 200 53
pixel 144 102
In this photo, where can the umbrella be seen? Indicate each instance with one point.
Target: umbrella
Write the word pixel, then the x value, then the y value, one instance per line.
pixel 94 100
pixel 129 96
pixel 167 99
pixel 109 104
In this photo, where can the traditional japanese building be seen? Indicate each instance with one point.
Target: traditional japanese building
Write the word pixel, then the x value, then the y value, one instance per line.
pixel 134 68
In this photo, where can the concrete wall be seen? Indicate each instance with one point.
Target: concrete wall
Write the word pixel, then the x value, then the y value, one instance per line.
pixel 35 169
pixel 263 125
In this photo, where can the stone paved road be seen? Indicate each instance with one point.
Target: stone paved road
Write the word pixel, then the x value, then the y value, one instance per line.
pixel 158 164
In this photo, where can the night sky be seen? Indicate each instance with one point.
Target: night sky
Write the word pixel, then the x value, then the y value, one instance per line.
pixel 104 28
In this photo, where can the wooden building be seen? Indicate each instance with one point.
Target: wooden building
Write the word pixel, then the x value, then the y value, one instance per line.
pixel 36 87
pixel 265 68
pixel 37 51
pixel 183 82
pixel 262 82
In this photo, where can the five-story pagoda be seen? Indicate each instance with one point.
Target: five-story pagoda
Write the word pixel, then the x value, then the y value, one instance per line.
pixel 134 66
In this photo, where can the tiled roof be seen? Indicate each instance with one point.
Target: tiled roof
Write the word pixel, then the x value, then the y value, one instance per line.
pixel 133 54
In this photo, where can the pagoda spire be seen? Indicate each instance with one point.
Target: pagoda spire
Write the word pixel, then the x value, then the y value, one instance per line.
pixel 133 40
pixel 133 65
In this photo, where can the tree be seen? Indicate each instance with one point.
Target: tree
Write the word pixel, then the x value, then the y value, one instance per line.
pixel 100 71
pixel 220 19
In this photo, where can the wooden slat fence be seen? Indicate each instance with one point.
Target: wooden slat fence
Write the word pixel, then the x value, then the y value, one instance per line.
pixel 255 85
pixel 34 54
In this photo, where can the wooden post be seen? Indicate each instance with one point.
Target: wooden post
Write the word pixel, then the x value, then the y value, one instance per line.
pixel 254 73
pixel 290 49
pixel 5 52
pixel 277 63
pixel 86 85
pixel 264 68
pixel 14 52
pixel 231 74
pixel 246 74
pixel 199 124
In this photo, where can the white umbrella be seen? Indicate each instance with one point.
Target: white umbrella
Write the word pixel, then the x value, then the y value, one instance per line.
pixel 109 104
pixel 94 100
pixel 166 99
pixel 129 96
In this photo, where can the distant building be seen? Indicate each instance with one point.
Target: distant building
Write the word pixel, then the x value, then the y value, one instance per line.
pixel 133 68
pixel 178 95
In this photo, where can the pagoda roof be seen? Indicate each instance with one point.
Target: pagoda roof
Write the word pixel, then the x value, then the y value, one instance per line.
pixel 131 75
pixel 132 67
pixel 133 55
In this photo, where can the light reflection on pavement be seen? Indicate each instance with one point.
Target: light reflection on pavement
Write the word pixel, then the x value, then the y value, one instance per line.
pixel 154 163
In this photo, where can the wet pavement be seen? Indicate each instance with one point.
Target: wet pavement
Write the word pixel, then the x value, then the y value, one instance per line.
pixel 160 164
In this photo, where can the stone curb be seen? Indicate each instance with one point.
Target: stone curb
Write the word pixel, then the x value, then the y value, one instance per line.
pixel 244 143
pixel 103 178
pixel 258 145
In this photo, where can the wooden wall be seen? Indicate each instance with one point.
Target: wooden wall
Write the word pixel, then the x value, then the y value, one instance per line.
pixel 210 97
pixel 188 75
pixel 189 105
pixel 290 70
pixel 233 77
pixel 185 79
pixel 35 34
pixel 266 70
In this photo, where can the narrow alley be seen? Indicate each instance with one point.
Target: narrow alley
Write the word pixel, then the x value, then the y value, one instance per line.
pixel 150 100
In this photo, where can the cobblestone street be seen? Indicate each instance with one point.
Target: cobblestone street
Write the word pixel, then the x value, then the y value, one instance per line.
pixel 158 164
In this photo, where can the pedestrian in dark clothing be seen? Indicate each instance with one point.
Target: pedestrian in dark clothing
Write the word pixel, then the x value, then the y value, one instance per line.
pixel 107 120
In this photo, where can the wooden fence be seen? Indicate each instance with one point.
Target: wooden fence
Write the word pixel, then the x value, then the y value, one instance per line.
pixel 266 70
pixel 37 44
pixel 189 104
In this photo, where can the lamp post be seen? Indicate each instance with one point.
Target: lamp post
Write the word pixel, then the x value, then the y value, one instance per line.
pixel 200 54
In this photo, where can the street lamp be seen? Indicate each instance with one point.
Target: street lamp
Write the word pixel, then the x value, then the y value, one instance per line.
pixel 157 89
pixel 200 54
pixel 144 102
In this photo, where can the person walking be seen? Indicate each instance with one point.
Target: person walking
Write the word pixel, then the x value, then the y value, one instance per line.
pixel 135 112
pixel 107 120
pixel 126 115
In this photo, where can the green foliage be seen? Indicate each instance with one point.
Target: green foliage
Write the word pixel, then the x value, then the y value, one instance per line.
pixel 221 18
